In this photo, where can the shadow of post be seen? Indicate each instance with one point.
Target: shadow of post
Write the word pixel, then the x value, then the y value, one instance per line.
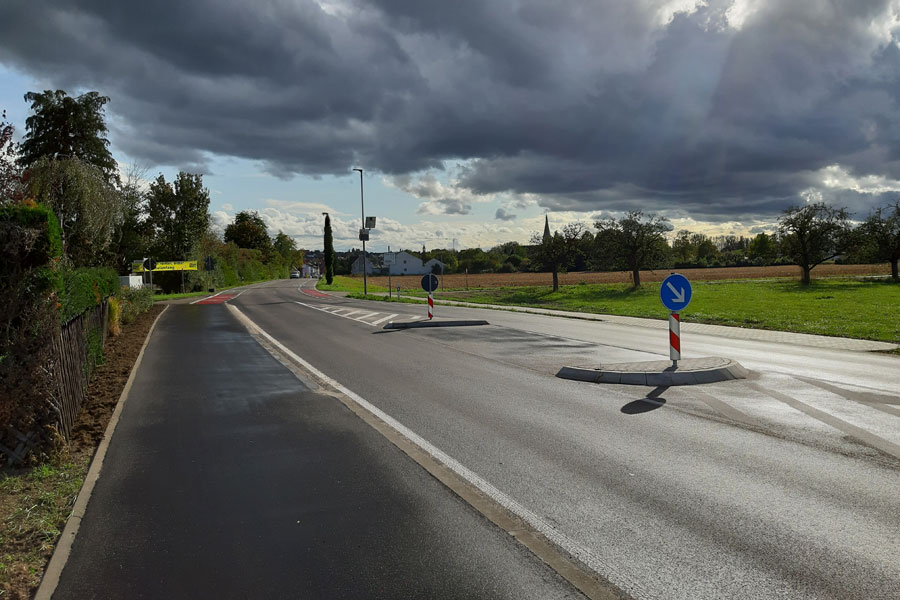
pixel 652 401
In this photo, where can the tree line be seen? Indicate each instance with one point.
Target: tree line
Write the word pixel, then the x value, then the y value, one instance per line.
pixel 110 217
pixel 805 236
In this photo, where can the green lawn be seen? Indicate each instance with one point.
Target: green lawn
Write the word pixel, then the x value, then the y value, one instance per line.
pixel 857 308
pixel 354 285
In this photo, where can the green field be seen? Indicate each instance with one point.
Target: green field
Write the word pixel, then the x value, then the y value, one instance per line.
pixel 354 285
pixel 857 308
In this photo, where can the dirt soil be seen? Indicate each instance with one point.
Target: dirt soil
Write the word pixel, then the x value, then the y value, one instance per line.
pixel 26 547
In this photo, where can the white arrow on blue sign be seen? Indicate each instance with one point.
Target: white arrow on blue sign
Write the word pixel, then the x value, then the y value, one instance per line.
pixel 430 282
pixel 675 292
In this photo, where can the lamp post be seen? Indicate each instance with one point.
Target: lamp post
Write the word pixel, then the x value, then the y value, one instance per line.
pixel 362 205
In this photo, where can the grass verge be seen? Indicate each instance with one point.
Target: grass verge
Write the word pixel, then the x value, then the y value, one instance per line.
pixel 855 308
pixel 342 283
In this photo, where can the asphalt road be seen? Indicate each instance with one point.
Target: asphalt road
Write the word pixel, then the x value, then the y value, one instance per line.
pixel 228 478
pixel 780 486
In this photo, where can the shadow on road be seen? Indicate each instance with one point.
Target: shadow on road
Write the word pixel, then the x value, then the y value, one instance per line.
pixel 653 401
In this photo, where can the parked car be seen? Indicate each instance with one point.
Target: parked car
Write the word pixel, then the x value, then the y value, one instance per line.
pixel 295 274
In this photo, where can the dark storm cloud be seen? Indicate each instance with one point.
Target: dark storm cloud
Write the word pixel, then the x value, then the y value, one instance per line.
pixel 588 105
pixel 503 215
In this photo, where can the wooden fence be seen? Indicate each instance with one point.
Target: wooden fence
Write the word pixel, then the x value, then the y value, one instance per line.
pixel 71 364
pixel 74 363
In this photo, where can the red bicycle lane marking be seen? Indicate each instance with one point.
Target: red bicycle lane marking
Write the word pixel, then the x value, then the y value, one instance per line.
pixel 218 299
pixel 315 293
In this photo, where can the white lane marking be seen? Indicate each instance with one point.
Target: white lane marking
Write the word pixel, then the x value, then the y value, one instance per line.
pixel 574 548
pixel 380 321
pixel 367 316
pixel 337 314
pixel 415 318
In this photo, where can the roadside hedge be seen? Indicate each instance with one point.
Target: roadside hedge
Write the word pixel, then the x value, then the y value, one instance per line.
pixel 30 255
pixel 82 289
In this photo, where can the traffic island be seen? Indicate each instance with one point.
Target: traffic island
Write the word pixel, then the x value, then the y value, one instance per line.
pixel 416 324
pixel 690 371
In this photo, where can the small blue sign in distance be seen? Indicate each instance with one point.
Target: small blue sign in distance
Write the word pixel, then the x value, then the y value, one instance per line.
pixel 675 292
pixel 430 282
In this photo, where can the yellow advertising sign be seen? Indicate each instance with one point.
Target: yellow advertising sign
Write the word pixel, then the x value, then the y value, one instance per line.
pixel 178 265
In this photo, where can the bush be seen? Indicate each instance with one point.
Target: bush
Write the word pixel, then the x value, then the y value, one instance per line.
pixel 30 250
pixel 133 301
pixel 113 317
pixel 83 289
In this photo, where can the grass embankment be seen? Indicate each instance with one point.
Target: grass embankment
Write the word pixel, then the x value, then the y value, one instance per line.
pixel 857 308
pixel 354 285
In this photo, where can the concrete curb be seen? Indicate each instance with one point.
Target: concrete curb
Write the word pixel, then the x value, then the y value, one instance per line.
pixel 415 324
pixel 64 546
pixel 691 371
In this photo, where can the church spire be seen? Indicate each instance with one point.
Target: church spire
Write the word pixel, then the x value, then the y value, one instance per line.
pixel 546 229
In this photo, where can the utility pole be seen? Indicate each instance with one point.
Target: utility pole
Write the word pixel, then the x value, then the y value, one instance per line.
pixel 363 206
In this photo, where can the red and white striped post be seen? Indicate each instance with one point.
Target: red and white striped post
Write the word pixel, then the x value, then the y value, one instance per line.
pixel 674 338
pixel 430 306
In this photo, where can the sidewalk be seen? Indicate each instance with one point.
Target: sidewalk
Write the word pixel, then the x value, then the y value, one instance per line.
pixel 227 478
pixel 739 333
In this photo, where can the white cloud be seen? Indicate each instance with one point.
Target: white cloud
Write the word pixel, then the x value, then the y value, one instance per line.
pixel 439 198
pixel 838 177
pixel 227 206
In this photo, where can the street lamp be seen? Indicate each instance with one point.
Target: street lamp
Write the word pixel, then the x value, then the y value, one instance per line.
pixel 361 237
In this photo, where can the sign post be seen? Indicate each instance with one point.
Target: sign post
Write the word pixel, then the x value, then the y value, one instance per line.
pixel 429 284
pixel 675 293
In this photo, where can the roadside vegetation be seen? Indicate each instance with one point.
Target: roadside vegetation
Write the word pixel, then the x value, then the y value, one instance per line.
pixel 343 283
pixel 859 307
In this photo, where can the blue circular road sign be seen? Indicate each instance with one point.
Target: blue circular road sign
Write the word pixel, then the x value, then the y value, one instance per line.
pixel 430 282
pixel 675 292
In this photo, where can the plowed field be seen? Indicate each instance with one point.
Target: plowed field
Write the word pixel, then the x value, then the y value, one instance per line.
pixel 494 280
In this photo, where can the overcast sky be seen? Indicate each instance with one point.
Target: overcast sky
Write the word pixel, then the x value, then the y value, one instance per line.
pixel 474 118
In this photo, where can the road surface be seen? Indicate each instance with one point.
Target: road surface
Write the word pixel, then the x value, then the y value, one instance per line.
pixel 780 486
pixel 228 478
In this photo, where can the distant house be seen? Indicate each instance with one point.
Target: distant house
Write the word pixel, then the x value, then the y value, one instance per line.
pixel 434 266
pixel 373 263
pixel 310 270
pixel 403 263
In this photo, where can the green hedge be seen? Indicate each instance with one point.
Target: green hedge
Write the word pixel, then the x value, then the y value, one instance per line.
pixel 48 246
pixel 82 289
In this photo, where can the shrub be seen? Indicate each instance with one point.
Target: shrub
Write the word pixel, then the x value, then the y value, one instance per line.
pixel 114 317
pixel 83 289
pixel 133 301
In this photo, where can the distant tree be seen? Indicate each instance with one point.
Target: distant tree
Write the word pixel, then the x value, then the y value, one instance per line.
pixel 131 237
pixel 683 250
pixel 329 251
pixel 10 171
pixel 706 251
pixel 248 231
pixel 177 215
pixel 286 247
pixel 88 207
pixel 762 249
pixel 636 241
pixel 64 127
pixel 813 233
pixel 554 252
pixel 881 232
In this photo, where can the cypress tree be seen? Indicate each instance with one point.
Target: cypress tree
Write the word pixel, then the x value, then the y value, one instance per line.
pixel 329 251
